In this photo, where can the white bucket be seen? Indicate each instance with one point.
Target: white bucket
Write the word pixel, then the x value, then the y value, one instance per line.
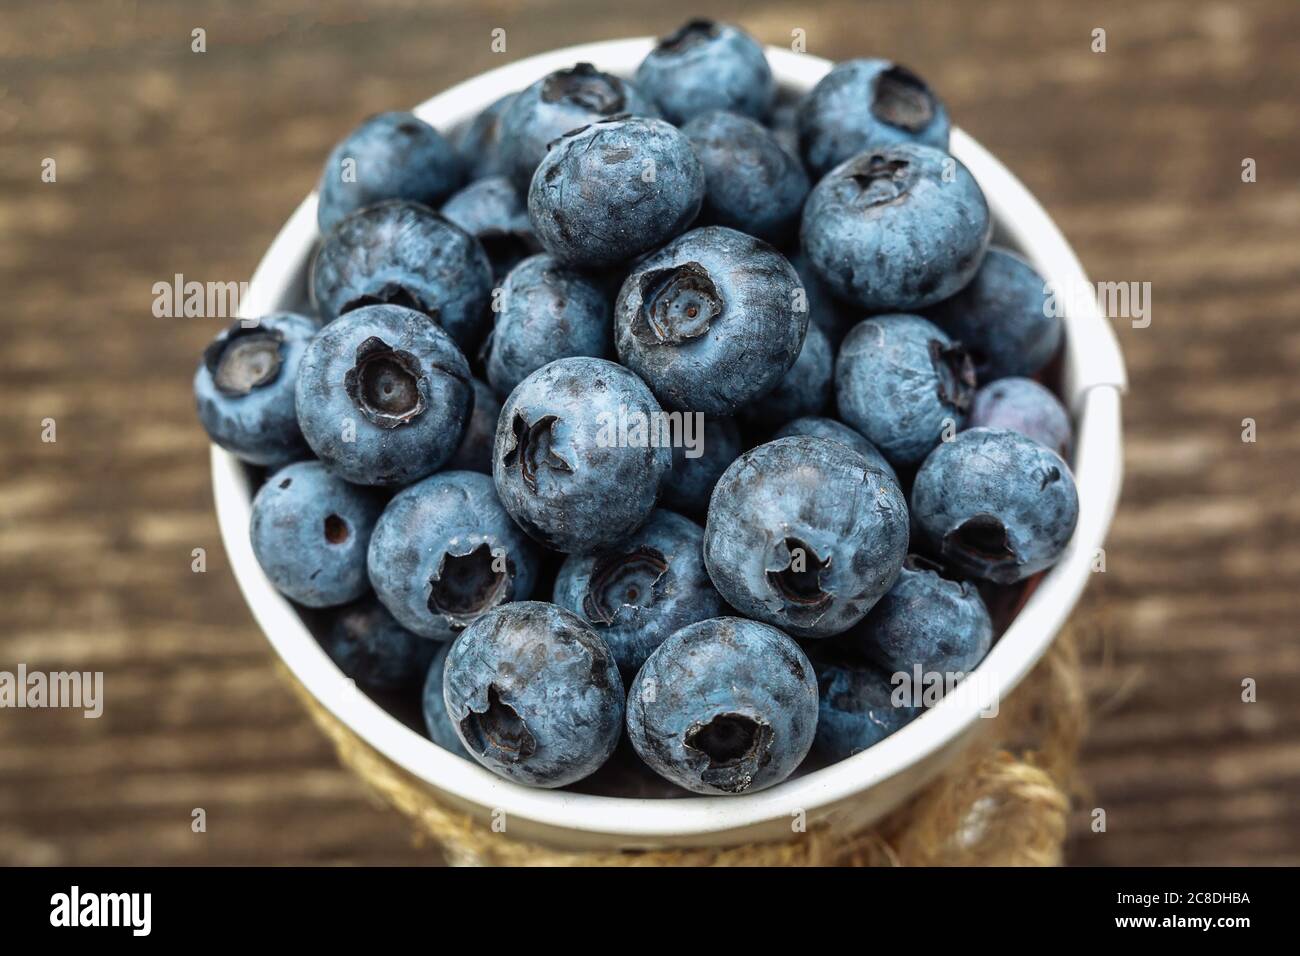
pixel 848 794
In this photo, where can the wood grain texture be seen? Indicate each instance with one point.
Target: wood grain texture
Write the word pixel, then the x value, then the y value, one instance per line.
pixel 175 162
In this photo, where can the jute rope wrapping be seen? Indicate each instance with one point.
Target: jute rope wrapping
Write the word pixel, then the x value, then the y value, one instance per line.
pixel 1004 802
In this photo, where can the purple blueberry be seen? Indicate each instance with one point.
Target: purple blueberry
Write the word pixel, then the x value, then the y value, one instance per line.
pixel 1023 405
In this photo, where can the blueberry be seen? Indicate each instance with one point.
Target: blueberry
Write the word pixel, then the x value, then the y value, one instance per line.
pixel 479 142
pixel 724 706
pixel 475 451
pixel 856 708
pixel 896 229
pixel 904 384
pixel 548 311
pixel 244 389
pixel 926 620
pixel 445 552
pixel 711 321
pixel 1004 317
pixel 559 102
pixel 805 390
pixel 689 484
pixel 751 182
pixel 641 590
pixel 534 694
pixel 838 431
pixel 383 396
pixel 824 310
pixel 706 66
pixel 783 121
pixel 436 720
pixel 865 105
pixel 369 646
pixel 402 253
pixel 995 504
pixel 492 212
pixel 389 156
pixel 576 462
pixel 614 190
pixel 1023 405
pixel 310 530
pixel 805 534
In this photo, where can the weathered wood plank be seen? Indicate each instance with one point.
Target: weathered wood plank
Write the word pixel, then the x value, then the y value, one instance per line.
pixel 171 161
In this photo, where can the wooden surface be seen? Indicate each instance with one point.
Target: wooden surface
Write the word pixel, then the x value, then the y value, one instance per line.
pixel 170 161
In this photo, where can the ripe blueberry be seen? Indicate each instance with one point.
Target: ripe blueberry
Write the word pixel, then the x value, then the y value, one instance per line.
pixel 896 228
pixel 310 530
pixel 613 190
pixel 244 389
pixel 576 462
pixel 803 533
pixel 995 504
pixel 534 694
pixel 646 587
pixel 383 396
pixel 389 156
pixel 725 706
pixel 444 552
pixel 711 320
pixel 403 253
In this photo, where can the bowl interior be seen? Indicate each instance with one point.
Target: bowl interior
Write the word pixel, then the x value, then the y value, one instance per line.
pixel 1092 376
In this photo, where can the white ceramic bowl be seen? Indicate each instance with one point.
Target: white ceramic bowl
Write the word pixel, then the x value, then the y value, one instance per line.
pixel 848 794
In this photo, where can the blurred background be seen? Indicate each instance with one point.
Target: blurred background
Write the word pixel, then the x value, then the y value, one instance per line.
pixel 171 161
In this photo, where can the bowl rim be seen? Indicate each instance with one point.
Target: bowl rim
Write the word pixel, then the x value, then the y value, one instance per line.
pixel 1093 380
